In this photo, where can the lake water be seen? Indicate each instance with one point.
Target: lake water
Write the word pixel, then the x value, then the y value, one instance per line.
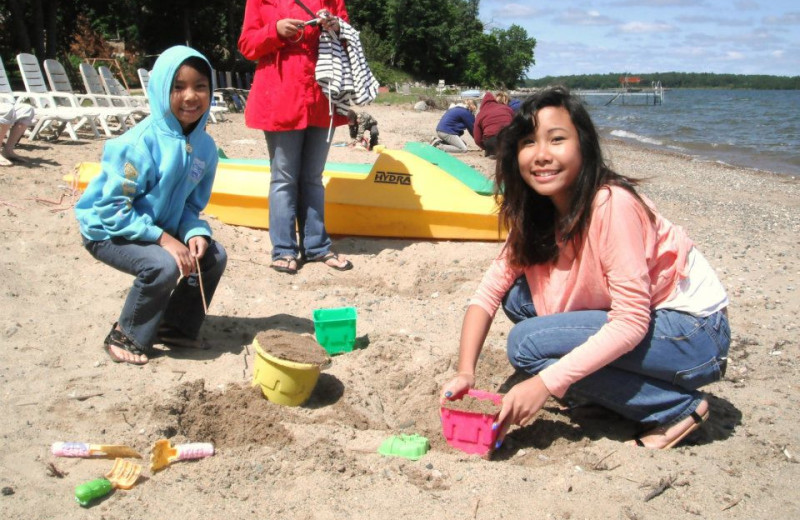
pixel 751 128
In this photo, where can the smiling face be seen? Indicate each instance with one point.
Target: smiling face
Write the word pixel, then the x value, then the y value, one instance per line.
pixel 550 158
pixel 190 96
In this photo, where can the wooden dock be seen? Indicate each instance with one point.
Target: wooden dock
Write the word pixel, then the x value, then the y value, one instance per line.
pixel 625 95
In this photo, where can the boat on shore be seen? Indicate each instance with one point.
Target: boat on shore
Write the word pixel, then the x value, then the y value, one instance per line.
pixel 401 195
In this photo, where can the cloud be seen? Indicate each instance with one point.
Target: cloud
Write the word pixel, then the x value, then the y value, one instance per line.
pixel 583 18
pixel 722 22
pixel 515 11
pixel 645 27
pixel 734 56
pixel 784 19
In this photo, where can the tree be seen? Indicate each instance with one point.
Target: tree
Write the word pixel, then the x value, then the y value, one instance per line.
pixel 516 50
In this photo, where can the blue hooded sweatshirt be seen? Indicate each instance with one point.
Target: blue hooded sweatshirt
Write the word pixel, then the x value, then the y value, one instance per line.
pixel 456 120
pixel 153 178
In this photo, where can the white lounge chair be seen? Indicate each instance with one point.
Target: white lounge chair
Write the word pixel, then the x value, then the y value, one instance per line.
pixel 65 105
pixel 113 87
pixel 44 118
pixel 144 78
pixel 94 87
pixel 59 82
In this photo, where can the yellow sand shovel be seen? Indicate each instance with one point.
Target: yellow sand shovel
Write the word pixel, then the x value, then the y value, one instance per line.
pixel 164 453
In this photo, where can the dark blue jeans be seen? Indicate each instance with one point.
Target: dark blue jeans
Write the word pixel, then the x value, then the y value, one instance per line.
pixel 655 383
pixel 157 296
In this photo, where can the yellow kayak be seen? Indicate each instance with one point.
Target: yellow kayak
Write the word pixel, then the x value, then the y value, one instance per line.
pixel 402 195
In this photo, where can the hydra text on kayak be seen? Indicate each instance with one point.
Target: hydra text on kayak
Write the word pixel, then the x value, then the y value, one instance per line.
pixel 403 179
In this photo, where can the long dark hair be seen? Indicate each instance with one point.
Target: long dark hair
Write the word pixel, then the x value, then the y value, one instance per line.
pixel 532 221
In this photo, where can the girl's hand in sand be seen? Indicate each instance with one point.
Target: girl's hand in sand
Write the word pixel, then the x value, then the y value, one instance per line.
pixel 520 405
pixel 178 251
pixel 457 386
pixel 290 28
pixel 198 245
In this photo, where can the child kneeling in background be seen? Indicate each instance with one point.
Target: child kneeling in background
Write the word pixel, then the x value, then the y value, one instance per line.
pixel 359 124
pixel 141 214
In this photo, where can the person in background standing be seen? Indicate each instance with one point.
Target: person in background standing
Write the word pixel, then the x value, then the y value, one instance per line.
pixel 287 103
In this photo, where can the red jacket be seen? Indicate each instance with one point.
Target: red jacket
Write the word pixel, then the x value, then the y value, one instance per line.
pixel 491 118
pixel 285 94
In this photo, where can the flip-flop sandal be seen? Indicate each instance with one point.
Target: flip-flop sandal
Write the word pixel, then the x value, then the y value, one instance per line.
pixel 288 269
pixel 698 421
pixel 332 256
pixel 117 339
pixel 172 337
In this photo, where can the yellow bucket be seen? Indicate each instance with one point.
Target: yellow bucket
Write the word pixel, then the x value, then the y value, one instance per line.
pixel 283 382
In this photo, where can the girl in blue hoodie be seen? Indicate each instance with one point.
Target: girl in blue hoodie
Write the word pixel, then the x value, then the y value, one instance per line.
pixel 141 214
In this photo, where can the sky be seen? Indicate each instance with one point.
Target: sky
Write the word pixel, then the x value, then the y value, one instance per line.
pixel 645 36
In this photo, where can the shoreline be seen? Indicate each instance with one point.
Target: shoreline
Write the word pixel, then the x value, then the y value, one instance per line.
pixel 320 461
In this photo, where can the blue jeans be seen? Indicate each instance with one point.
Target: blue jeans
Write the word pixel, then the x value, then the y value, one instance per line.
pixel 154 297
pixel 656 383
pixel 296 193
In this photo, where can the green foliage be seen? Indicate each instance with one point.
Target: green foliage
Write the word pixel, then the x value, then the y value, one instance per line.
pixel 441 39
pixel 426 39
pixel 673 80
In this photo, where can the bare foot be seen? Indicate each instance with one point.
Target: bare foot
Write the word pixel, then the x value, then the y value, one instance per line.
pixel 670 435
pixel 11 156
pixel 120 355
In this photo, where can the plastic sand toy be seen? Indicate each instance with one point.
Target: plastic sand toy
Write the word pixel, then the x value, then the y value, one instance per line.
pixel 82 449
pixel 165 454
pixel 123 475
pixel 283 382
pixel 407 446
pixel 468 431
pixel 336 329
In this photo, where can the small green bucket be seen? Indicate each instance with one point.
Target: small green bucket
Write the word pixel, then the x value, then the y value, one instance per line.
pixel 336 329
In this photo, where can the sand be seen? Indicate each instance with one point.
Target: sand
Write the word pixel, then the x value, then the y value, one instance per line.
pixel 319 461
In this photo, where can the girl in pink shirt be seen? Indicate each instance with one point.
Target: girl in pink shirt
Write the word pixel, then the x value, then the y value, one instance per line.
pixel 612 304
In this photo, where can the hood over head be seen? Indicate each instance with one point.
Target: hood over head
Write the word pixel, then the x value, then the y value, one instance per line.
pixel 160 86
pixel 488 97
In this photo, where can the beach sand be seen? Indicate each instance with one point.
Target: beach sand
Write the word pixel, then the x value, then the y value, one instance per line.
pixel 319 461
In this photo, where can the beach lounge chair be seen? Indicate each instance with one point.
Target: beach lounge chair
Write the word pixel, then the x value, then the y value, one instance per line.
pixel 49 115
pixel 94 87
pixel 59 82
pixel 113 87
pixel 144 78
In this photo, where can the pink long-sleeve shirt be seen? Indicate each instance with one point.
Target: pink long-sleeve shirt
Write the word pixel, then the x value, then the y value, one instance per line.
pixel 626 264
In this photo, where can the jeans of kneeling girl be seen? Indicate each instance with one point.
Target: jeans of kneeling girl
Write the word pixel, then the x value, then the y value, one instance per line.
pixel 654 384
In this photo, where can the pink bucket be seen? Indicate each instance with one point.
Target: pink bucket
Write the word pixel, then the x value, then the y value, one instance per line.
pixel 471 432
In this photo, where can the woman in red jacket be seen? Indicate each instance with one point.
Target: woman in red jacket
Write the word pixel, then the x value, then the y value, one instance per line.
pixel 286 102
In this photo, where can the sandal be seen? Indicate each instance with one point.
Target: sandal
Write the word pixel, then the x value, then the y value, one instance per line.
pixel 697 418
pixel 173 337
pixel 119 340
pixel 288 269
pixel 330 255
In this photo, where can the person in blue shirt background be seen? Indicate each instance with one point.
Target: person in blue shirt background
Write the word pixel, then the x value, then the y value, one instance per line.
pixel 140 215
pixel 452 125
